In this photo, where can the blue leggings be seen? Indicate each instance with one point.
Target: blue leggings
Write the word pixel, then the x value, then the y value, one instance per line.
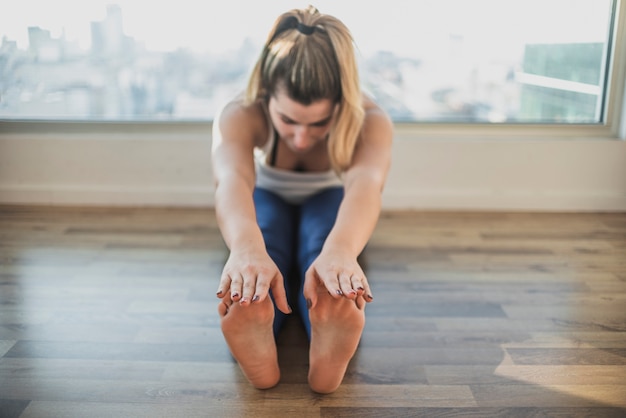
pixel 294 236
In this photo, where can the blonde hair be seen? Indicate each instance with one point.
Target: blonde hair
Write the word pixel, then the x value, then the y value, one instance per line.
pixel 311 55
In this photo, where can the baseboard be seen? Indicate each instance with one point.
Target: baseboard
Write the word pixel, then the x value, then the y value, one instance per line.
pixel 200 196
pixel 108 196
pixel 556 201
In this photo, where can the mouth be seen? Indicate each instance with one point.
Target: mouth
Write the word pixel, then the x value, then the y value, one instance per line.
pixel 300 150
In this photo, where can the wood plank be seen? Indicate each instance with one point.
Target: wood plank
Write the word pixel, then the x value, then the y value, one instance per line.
pixel 209 408
pixel 112 312
pixel 550 396
pixel 12 408
pixel 470 412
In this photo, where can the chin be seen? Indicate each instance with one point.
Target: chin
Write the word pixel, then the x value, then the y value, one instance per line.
pixel 301 151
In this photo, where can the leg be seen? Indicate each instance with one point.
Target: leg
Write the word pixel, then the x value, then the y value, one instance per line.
pixel 335 326
pixel 250 331
pixel 317 217
pixel 277 218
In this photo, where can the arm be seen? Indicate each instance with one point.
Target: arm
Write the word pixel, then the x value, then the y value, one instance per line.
pixel 249 272
pixel 337 267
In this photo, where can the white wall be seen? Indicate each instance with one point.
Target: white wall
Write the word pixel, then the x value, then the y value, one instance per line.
pixel 502 174
pixel 171 167
pixel 107 168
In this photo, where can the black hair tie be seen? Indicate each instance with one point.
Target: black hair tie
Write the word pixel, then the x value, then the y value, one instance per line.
pixel 305 29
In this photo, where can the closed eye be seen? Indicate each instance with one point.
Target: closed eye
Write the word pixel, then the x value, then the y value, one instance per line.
pixel 321 123
pixel 317 124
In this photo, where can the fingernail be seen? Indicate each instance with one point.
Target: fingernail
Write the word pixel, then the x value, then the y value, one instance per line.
pixel 235 295
pixel 309 303
pixel 339 292
pixel 244 300
pixel 360 288
pixel 290 310
pixel 219 292
pixel 255 298
pixel 370 297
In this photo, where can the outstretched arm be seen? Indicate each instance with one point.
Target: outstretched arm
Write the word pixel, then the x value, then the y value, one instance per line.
pixel 336 267
pixel 249 272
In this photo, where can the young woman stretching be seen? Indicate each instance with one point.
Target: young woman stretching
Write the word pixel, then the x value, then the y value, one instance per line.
pixel 300 161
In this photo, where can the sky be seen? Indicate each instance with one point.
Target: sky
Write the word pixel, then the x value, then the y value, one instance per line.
pixel 411 24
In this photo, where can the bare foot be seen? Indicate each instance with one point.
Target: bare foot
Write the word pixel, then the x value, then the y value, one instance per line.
pixel 249 335
pixel 336 328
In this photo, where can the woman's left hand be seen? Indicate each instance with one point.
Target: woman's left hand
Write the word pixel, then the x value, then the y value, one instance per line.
pixel 339 274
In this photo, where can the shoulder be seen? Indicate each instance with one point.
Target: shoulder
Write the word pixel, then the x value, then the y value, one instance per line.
pixel 376 123
pixel 372 154
pixel 237 120
pixel 371 107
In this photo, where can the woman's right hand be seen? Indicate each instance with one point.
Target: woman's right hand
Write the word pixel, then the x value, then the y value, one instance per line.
pixel 248 278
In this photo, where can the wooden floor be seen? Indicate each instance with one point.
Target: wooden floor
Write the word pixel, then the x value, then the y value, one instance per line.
pixel 112 313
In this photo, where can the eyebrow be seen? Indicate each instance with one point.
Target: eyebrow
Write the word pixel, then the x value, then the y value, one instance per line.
pixel 319 122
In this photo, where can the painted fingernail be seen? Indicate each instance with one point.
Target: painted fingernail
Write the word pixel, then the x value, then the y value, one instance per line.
pixel 235 295
pixel 339 292
pixel 255 298
pixel 370 297
pixel 361 288
pixel 309 303
pixel 219 292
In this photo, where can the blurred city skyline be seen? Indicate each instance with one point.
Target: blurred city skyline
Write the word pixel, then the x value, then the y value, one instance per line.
pixel 463 71
pixel 402 26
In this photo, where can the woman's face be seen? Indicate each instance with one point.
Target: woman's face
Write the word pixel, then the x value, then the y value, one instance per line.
pixel 300 126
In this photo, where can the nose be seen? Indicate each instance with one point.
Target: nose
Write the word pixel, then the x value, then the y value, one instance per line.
pixel 301 138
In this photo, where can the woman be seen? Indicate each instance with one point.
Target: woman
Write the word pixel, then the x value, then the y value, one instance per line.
pixel 300 162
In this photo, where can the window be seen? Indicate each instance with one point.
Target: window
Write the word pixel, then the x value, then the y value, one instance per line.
pixel 489 61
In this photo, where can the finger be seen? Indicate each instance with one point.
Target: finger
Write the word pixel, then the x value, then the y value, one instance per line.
pixel 314 285
pixel 331 282
pixel 357 284
pixel 248 289
pixel 345 284
pixel 224 286
pixel 329 279
pixel 367 291
pixel 236 287
pixel 280 296
pixel 262 289
pixel 224 305
pixel 309 290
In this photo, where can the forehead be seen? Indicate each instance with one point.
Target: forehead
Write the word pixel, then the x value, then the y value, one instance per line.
pixel 318 110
